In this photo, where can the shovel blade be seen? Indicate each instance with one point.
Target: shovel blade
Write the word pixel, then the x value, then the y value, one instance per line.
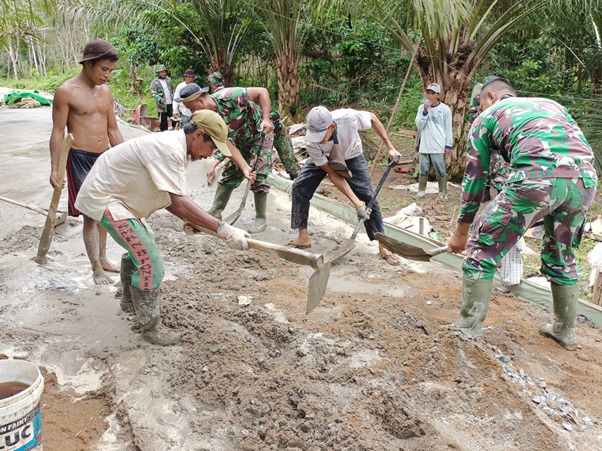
pixel 405 250
pixel 317 287
pixel 341 251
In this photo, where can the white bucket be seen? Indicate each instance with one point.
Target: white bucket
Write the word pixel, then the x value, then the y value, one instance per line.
pixel 20 414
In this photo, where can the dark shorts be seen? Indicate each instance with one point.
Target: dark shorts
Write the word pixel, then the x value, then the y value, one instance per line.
pixel 79 164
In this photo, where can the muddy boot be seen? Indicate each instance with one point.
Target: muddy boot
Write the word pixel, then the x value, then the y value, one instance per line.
pixel 222 196
pixel 422 180
pixel 475 303
pixel 565 316
pixel 128 268
pixel 146 304
pixel 261 207
pixel 442 188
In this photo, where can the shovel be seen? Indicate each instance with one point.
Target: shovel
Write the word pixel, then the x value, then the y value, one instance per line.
pixel 348 246
pixel 407 250
pixel 234 216
pixel 317 281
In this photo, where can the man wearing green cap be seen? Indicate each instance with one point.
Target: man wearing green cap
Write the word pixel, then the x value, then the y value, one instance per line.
pixel 162 91
pixel 216 82
pixel 130 182
pixel 84 104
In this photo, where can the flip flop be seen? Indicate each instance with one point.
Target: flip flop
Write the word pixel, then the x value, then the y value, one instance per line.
pixel 298 246
pixel 391 259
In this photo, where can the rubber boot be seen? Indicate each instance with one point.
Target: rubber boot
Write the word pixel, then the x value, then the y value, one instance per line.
pixel 442 188
pixel 222 196
pixel 475 303
pixel 422 180
pixel 128 268
pixel 146 304
pixel 261 207
pixel 562 330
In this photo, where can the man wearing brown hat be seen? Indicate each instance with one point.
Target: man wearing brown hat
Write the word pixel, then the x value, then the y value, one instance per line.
pixel 179 109
pixel 84 104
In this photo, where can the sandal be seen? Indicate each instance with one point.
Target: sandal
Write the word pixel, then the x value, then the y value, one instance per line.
pixel 298 246
pixel 391 259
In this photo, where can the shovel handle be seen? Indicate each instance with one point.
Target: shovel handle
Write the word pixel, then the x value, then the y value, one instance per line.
pixel 292 255
pixel 437 251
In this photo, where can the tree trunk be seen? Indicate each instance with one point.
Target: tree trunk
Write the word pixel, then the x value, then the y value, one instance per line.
pixel 288 84
pixel 13 57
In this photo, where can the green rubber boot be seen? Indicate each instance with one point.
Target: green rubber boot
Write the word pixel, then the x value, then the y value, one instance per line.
pixel 442 188
pixel 128 268
pixel 261 207
pixel 565 316
pixel 475 303
pixel 146 304
pixel 422 180
pixel 222 196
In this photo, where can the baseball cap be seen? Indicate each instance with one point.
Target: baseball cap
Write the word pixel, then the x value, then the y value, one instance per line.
pixel 190 92
pixel 98 48
pixel 318 121
pixel 434 87
pixel 213 124
pixel 216 78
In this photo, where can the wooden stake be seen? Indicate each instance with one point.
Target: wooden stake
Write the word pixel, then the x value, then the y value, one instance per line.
pixel 48 231
pixel 597 296
pixel 403 86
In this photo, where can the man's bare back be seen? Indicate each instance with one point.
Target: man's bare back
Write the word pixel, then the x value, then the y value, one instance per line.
pixel 84 104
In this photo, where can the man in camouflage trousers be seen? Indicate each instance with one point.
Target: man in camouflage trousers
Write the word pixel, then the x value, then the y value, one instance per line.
pixel 551 177
pixel 250 130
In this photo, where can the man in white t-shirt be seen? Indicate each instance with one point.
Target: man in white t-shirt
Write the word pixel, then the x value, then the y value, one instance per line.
pixel 338 133
pixel 179 109
pixel 138 177
pixel 434 123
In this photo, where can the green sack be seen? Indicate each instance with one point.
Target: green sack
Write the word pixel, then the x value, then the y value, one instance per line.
pixel 16 95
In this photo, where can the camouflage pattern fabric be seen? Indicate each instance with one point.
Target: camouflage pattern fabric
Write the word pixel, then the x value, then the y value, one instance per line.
pixel 474 110
pixel 242 116
pixel 562 203
pixel 537 136
pixel 157 93
pixel 284 146
pixel 232 176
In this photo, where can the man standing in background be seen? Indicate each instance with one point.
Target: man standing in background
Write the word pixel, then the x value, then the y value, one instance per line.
pixel 162 92
pixel 434 123
pixel 179 109
pixel 84 105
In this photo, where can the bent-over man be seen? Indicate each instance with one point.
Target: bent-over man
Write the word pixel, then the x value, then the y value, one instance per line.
pixel 85 105
pixel 551 178
pixel 338 132
pixel 135 179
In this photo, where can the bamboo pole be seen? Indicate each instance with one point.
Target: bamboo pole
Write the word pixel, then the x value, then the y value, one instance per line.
pixel 403 86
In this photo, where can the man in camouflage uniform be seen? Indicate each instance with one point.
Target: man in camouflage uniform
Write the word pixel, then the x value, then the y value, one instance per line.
pixel 216 82
pixel 250 130
pixel 551 177
pixel 162 91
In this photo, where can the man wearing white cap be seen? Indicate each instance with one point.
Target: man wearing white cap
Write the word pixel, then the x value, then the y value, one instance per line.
pixel 335 147
pixel 131 181
pixel 434 123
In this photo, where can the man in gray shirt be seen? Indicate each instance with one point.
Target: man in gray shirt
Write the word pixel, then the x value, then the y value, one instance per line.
pixel 333 133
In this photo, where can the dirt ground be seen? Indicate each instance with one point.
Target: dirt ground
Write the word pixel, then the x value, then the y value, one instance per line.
pixel 375 367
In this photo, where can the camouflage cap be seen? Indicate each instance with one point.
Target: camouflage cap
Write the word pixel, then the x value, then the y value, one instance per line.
pixel 160 68
pixel 216 78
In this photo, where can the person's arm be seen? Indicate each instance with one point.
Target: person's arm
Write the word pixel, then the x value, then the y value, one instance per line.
pixel 341 184
pixel 421 117
pixel 449 134
pixel 185 208
pixel 241 163
pixel 176 104
pixel 153 91
pixel 211 172
pixel 262 96
pixel 379 128
pixel 473 184
pixel 60 113
pixel 115 136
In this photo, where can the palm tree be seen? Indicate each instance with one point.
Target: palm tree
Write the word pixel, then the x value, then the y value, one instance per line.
pixel 288 22
pixel 457 37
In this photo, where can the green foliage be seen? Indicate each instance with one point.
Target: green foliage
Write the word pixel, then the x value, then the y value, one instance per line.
pixel 48 84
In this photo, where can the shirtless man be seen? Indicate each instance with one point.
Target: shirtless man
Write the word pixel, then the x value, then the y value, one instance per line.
pixel 85 105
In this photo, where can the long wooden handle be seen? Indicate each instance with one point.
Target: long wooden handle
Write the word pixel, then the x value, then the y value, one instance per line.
pixel 437 251
pixel 292 255
pixel 48 231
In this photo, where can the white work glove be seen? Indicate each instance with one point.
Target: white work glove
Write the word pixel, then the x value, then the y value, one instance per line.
pixel 363 212
pixel 233 236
